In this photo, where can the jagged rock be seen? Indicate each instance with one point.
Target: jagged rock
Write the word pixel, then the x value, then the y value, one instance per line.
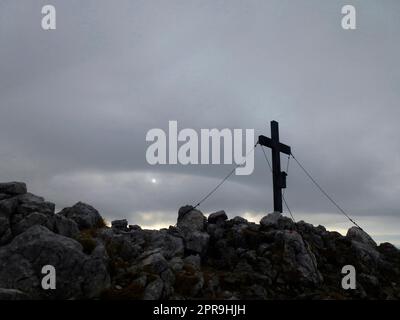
pixel 29 203
pixel 190 219
pixel 120 224
pixel 8 207
pixel 356 234
pixel 154 290
pixel 197 242
pixel 171 246
pixel 366 253
pixel 276 220
pixel 5 231
pixel 218 216
pixel 32 219
pixel 297 257
pixel 239 220
pixel 56 223
pixel 13 188
pixel 78 275
pixel 155 263
pixel 218 259
pixel 64 226
pixel 84 215
pixel 134 227
pixel 176 264
pixel 4 196
pixel 192 223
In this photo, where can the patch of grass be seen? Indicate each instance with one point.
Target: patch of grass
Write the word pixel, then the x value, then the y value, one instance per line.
pixel 86 239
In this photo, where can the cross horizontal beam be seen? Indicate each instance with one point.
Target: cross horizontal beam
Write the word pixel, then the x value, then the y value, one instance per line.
pixel 267 142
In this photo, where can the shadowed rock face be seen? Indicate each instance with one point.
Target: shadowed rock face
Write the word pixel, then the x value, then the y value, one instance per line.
pixel 198 258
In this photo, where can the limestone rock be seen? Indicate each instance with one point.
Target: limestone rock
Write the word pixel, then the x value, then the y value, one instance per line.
pixel 84 215
pixel 154 290
pixel 121 225
pixel 29 203
pixel 218 216
pixel 276 220
pixel 356 234
pixel 13 188
pixel 78 275
pixel 190 219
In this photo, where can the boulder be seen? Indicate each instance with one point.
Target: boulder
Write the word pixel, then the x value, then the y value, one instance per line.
pixel 32 219
pixel 121 225
pixel 154 290
pixel 56 223
pixel 239 220
pixel 13 188
pixel 84 215
pixel 29 203
pixel 64 226
pixel 197 242
pixel 78 275
pixel 8 207
pixel 297 258
pixel 217 217
pixel 190 219
pixel 277 221
pixel 154 263
pixel 4 196
pixel 170 245
pixel 356 234
pixel 5 231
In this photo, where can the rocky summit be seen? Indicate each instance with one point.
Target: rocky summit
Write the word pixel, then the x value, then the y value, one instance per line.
pixel 198 258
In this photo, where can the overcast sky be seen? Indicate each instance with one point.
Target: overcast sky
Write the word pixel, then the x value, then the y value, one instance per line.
pixel 76 104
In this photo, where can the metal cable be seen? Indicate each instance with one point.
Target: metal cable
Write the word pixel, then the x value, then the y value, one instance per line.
pixel 224 179
pixel 325 193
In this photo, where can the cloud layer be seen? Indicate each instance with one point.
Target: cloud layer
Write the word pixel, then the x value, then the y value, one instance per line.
pixel 76 103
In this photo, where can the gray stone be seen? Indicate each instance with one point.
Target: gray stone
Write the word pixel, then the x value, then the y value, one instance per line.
pixel 170 246
pixel 197 242
pixel 4 196
pixel 155 263
pixel 64 226
pixel 32 219
pixel 276 220
pixel 29 203
pixel 5 231
pixel 13 188
pixel 217 217
pixel 78 275
pixel 356 234
pixel 120 225
pixel 154 290
pixel 366 253
pixel 134 227
pixel 239 220
pixel 298 257
pixel 84 215
pixel 190 220
pixel 8 207
pixel 176 264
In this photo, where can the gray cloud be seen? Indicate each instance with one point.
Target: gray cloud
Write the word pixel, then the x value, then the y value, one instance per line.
pixel 76 103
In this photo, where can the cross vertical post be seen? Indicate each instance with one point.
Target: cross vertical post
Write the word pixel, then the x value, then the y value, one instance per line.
pixel 278 176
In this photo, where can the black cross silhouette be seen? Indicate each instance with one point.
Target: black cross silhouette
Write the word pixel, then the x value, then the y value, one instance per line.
pixel 278 176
